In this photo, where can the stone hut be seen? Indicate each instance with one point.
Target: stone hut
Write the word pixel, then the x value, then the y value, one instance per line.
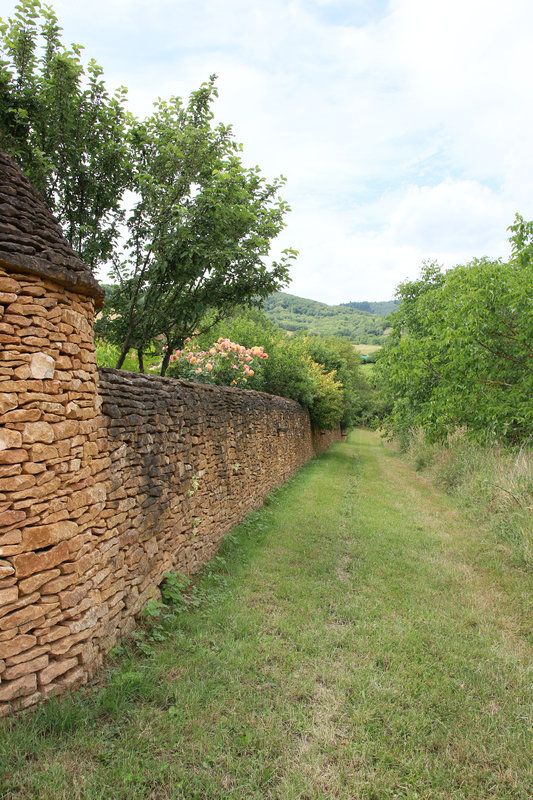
pixel 48 416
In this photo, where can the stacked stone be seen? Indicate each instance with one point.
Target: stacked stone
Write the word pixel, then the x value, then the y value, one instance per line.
pixel 49 497
pixel 188 462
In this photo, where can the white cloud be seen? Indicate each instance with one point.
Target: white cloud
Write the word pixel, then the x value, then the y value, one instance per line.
pixel 431 218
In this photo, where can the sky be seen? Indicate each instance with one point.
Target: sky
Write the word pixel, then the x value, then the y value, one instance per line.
pixel 403 127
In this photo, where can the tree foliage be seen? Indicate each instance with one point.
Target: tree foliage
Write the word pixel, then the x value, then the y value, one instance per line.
pixel 461 350
pixel 199 224
pixel 68 134
pixel 199 231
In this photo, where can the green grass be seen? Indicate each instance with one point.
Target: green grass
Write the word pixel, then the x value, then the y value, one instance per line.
pixel 493 484
pixel 107 356
pixel 355 639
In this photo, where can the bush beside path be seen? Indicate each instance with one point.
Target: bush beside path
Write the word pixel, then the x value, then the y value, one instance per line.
pixel 357 638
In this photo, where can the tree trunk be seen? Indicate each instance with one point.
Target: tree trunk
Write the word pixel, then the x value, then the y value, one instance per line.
pixel 140 358
pixel 166 361
pixel 123 353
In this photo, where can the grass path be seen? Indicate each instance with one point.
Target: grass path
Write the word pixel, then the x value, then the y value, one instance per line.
pixel 357 639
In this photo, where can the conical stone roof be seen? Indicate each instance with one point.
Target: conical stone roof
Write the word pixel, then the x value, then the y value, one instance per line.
pixel 31 240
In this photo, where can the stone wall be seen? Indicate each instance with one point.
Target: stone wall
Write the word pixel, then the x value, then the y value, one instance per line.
pixel 187 462
pixel 107 482
pixel 49 416
pixel 110 479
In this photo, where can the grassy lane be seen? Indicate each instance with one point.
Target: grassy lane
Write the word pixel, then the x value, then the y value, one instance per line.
pixel 358 639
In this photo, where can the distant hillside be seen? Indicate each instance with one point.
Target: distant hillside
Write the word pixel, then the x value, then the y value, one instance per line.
pixel 382 309
pixel 294 313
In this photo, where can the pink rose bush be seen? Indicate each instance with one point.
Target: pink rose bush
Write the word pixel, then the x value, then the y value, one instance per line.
pixel 225 362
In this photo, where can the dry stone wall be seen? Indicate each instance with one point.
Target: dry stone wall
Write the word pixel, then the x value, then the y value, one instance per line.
pixel 106 503
pixel 187 463
pixel 49 497
pixel 107 479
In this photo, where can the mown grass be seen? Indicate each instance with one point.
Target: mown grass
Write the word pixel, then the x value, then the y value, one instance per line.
pixel 355 639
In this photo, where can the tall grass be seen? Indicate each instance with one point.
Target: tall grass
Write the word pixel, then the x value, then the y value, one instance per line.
pixel 495 484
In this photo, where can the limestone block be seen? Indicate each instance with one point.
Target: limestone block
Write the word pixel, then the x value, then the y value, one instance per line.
pixel 6 569
pixel 33 583
pixel 49 407
pixel 87 620
pixel 8 518
pixel 29 563
pixel 10 549
pixel 21 415
pixel 20 617
pixel 9 285
pixel 25 668
pixel 26 655
pixel 26 702
pixel 8 470
pixel 22 372
pixel 56 668
pixel 65 644
pixel 56 516
pixel 35 537
pixel 36 341
pixel 33 469
pixel 9 595
pixel 9 439
pixel 74 612
pixel 43 452
pixel 51 634
pixel 7 297
pixel 42 366
pixel 17 456
pixel 16 645
pixel 17 483
pixel 20 688
pixel 23 600
pixel 34 290
pixel 71 598
pixel 36 492
pixel 38 432
pixel 73 678
pixel 32 624
pixel 66 429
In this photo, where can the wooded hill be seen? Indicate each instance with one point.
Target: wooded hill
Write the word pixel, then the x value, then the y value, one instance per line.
pixel 349 321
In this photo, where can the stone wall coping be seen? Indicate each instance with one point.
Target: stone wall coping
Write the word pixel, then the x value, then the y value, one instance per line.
pixel 142 379
pixel 81 282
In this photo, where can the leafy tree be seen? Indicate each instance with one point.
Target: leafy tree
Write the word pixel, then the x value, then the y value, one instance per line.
pixel 199 231
pixel 339 358
pixel 460 353
pixel 201 224
pixel 60 124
